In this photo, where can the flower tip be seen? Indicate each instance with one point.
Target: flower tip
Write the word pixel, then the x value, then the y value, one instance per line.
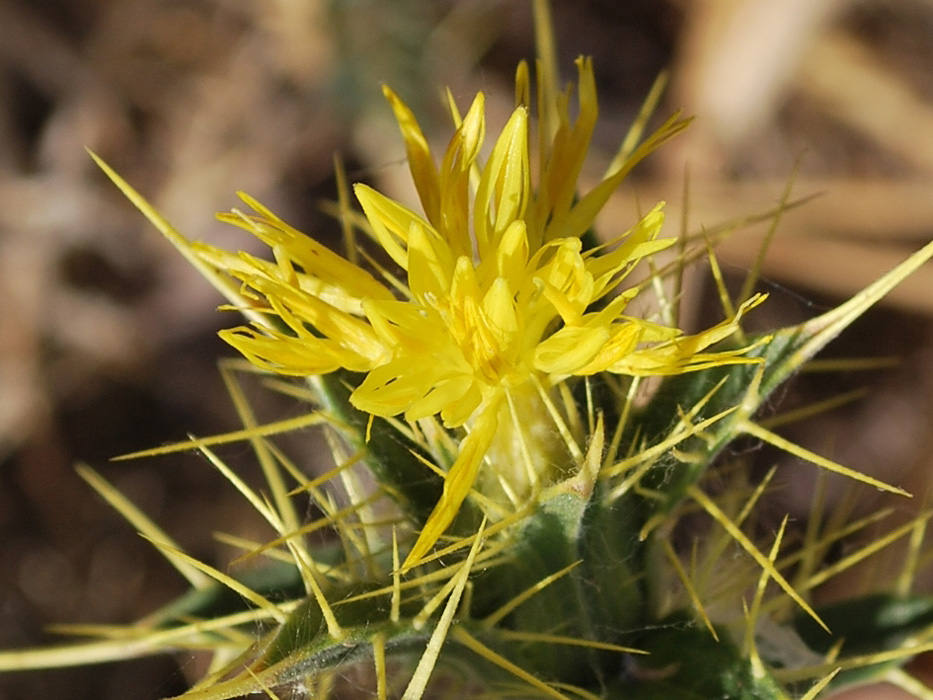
pixel 363 191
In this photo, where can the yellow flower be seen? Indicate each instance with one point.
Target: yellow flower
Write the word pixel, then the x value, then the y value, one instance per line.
pixel 500 295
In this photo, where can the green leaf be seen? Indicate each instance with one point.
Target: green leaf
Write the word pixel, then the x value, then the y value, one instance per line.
pixel 546 545
pixel 868 626
pixel 614 561
pixel 684 662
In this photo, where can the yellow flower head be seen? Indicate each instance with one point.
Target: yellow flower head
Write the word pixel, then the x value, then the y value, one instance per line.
pixel 500 293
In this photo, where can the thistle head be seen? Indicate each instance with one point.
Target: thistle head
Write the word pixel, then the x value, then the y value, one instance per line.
pixel 499 296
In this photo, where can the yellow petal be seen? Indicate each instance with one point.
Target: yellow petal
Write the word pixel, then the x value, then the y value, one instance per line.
pixel 569 348
pixel 415 331
pixel 420 161
pixel 445 393
pixel 500 313
pixel 569 312
pixel 284 354
pixel 512 254
pixel 403 326
pixel 430 264
pixel 314 258
pixel 464 146
pixel 569 149
pixel 610 265
pixel 683 353
pixel 463 285
pixel 454 179
pixel 462 408
pixel 565 269
pixel 584 211
pixel 396 386
pixel 390 221
pixel 522 85
pixel 457 484
pixel 505 185
pixel 564 279
pixel 622 342
pixel 299 310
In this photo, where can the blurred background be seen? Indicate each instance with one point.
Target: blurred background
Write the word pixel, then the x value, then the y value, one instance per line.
pixel 107 337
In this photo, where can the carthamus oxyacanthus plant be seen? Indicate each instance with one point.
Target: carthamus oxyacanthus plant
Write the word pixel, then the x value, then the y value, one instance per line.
pixel 512 512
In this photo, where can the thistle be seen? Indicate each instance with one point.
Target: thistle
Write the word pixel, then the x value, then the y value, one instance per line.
pixel 508 503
